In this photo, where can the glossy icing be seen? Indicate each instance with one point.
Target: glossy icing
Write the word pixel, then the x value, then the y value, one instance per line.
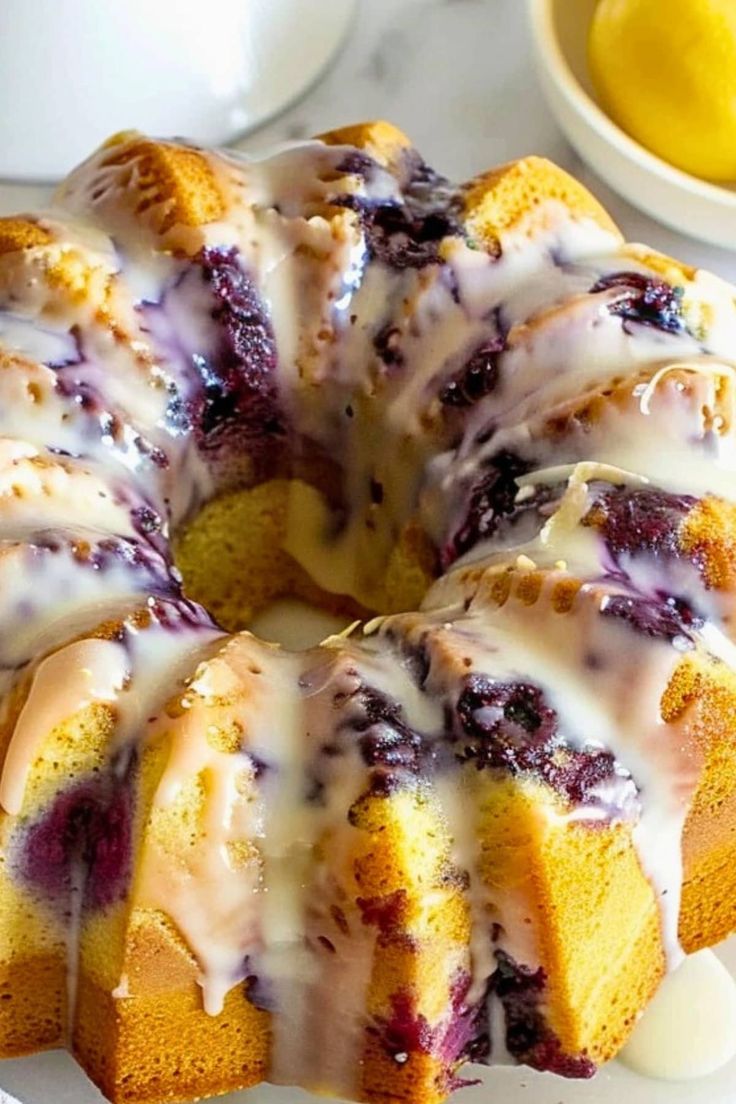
pixel 688 1030
pixel 64 684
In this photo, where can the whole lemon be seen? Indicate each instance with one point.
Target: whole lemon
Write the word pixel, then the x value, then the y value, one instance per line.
pixel 665 71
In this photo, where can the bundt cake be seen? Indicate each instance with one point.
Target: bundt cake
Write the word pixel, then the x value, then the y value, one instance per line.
pixel 480 831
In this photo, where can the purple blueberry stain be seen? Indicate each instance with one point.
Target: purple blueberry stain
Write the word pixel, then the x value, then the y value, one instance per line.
pixel 387 744
pixel 404 1031
pixel 466 1036
pixel 146 520
pixel 239 390
pixel 643 299
pixel 462 1035
pixel 108 553
pixel 422 183
pixel 258 990
pixel 492 497
pixel 357 163
pixel 509 726
pixel 634 520
pixel 110 850
pixel 406 233
pixel 214 328
pixel 374 725
pixel 477 378
pixel 89 824
pixel 529 1038
pixel 668 619
pixel 386 913
pixel 111 428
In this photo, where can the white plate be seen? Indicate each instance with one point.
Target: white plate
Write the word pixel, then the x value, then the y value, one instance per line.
pixel 693 206
pixel 53 1078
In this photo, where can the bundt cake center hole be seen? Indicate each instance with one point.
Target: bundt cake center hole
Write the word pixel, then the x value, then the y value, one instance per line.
pixel 296 624
pixel 233 562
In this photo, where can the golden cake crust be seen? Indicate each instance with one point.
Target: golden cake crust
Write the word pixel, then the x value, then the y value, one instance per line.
pixel 22 233
pixel 516 194
pixel 176 180
pixel 383 141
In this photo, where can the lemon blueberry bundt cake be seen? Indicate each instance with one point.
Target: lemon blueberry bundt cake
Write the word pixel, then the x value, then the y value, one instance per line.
pixel 482 830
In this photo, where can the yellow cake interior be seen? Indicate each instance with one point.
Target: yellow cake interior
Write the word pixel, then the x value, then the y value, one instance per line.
pixel 233 561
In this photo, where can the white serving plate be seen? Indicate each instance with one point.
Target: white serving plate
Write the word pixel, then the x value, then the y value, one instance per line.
pixel 692 206
pixel 53 1078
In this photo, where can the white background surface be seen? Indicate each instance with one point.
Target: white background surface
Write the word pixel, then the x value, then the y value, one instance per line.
pixel 457 76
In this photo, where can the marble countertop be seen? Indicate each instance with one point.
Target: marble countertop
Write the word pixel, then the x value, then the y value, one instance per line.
pixel 458 77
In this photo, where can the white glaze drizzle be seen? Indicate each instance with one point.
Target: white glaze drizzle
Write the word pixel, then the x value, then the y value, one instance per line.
pixel 208 890
pixel 689 1029
pixel 131 677
pixel 63 685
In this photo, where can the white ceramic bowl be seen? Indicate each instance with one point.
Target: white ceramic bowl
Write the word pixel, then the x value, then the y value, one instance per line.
pixel 692 206
pixel 72 72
